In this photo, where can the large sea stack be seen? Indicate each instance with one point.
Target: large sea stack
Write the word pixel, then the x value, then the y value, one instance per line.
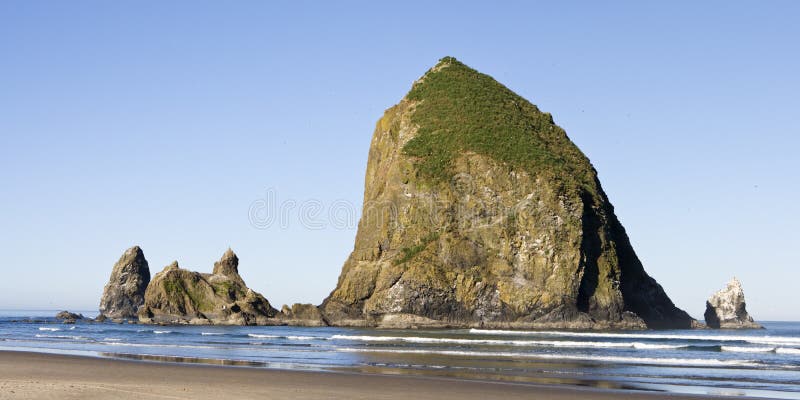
pixel 179 296
pixel 480 212
pixel 124 292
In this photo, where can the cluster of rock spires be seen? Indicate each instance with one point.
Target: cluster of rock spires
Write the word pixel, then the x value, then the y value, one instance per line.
pixel 517 239
pixel 180 296
pixel 177 295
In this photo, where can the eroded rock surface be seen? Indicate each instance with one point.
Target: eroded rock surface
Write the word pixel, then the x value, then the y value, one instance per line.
pixel 124 292
pixel 727 309
pixel 180 296
pixel 480 212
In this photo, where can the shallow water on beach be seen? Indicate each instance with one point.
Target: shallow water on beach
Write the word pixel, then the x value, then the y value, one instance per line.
pixel 764 363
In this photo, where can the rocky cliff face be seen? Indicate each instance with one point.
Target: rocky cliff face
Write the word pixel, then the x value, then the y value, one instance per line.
pixel 124 292
pixel 727 309
pixel 179 296
pixel 479 211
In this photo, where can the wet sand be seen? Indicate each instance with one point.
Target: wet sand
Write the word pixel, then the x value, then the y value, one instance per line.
pixel 26 375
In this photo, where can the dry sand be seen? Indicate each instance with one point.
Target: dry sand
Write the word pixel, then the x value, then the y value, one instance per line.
pixel 46 376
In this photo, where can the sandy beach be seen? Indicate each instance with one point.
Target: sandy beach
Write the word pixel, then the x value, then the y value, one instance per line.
pixel 46 376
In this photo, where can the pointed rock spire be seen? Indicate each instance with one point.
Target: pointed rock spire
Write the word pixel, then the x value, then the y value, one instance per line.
pixel 180 296
pixel 124 292
pixel 227 265
pixel 173 266
pixel 727 309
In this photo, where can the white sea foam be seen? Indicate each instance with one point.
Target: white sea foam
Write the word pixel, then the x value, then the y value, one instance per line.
pixel 289 337
pixel 499 342
pixel 111 339
pixel 785 350
pixel 305 338
pixel 211 333
pixel 768 340
pixel 697 362
pixel 63 337
pixel 651 346
pixel 49 329
pixel 161 332
pixel 737 349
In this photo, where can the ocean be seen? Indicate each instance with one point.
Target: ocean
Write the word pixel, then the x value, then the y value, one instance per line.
pixel 763 363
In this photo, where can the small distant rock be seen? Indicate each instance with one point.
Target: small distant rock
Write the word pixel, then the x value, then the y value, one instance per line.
pixel 68 317
pixel 301 315
pixel 726 309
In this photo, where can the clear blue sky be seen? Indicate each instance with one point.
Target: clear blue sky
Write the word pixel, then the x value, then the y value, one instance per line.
pixel 155 124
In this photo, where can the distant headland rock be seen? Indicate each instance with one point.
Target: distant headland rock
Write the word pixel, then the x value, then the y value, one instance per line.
pixel 480 212
pixel 727 309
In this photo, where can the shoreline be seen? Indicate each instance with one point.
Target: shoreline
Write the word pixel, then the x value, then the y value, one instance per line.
pixel 33 375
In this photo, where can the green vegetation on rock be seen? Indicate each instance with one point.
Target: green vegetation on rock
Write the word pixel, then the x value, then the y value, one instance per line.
pixel 408 253
pixel 459 109
pixel 176 295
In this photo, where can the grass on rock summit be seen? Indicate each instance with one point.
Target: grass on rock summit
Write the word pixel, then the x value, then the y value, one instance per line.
pixel 459 109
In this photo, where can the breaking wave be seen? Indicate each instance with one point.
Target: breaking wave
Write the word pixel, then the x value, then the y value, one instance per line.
pixel 63 337
pixel 769 340
pixel 738 349
pixel 288 337
pixel 499 342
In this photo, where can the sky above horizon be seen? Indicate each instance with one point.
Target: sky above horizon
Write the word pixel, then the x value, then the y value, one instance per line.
pixel 163 125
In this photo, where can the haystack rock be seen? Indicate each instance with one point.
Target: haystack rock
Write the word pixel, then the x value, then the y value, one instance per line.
pixel 179 296
pixel 726 309
pixel 124 292
pixel 480 212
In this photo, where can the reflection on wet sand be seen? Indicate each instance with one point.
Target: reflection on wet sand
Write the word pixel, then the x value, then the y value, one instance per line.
pixel 187 360
pixel 542 376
